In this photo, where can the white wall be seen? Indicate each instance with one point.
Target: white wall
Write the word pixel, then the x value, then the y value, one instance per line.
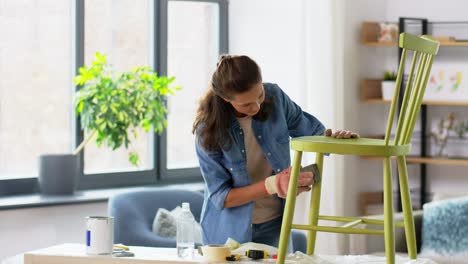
pixel 436 10
pixel 29 229
pixel 272 33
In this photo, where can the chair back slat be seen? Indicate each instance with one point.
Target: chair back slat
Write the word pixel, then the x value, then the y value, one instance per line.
pixel 412 105
pixel 420 97
pixel 406 96
pixel 424 49
pixel 391 113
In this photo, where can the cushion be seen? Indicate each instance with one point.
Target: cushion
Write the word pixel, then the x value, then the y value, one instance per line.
pixel 165 224
pixel 445 228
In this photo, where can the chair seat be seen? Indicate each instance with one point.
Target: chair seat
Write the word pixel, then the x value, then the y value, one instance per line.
pixel 357 146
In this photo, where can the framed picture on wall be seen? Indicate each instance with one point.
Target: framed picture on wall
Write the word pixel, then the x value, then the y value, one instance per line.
pixel 447 82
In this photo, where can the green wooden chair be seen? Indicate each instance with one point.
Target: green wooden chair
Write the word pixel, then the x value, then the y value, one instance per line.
pixel 424 49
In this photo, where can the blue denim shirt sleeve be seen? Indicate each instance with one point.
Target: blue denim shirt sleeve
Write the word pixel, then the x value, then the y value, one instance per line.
pixel 300 123
pixel 218 181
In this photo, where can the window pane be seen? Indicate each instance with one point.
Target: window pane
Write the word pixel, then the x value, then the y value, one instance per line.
pixel 122 30
pixel 193 46
pixel 35 84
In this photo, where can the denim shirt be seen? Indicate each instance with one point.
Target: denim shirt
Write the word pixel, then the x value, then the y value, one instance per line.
pixel 226 169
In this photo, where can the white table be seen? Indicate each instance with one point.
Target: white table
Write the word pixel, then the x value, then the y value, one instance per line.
pixel 76 254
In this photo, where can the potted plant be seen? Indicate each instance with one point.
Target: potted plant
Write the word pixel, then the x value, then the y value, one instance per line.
pixel 461 128
pixel 441 133
pixel 388 85
pixel 111 106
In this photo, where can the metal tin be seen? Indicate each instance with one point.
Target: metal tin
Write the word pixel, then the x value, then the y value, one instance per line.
pixel 99 235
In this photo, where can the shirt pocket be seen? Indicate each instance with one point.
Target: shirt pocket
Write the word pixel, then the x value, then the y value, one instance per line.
pixel 282 149
pixel 238 172
pixel 282 137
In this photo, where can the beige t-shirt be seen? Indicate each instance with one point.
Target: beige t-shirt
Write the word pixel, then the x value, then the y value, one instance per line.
pixel 258 168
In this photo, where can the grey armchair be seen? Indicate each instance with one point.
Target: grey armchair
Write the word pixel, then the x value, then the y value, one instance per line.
pixel 134 212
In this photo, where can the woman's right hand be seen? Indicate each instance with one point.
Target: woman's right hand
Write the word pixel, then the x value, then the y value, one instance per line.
pixel 279 183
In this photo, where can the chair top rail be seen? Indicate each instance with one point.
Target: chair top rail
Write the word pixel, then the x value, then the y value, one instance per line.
pixel 423 44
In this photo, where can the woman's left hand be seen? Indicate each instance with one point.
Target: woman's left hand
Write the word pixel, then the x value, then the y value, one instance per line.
pixel 341 134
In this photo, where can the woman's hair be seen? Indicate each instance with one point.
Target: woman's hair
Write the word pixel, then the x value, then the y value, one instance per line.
pixel 233 75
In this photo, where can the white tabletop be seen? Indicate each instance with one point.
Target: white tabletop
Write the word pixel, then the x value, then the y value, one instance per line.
pixel 76 254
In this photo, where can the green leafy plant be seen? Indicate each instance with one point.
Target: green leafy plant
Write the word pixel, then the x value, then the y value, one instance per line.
pixel 461 128
pixel 390 76
pixel 112 105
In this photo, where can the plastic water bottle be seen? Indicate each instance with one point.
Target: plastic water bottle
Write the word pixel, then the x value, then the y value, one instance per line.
pixel 185 232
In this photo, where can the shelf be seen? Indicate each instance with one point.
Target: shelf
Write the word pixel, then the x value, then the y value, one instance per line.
pixel 371 92
pixel 442 103
pixel 376 101
pixel 371 89
pixel 394 44
pixel 370 35
pixel 427 160
pixel 371 31
pixel 454 44
pixel 380 44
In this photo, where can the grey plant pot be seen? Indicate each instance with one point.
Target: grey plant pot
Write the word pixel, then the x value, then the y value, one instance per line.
pixel 58 174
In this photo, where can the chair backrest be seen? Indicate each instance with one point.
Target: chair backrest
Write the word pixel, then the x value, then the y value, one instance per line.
pixel 424 49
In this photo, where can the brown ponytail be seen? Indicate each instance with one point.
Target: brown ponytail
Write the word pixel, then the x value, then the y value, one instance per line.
pixel 233 75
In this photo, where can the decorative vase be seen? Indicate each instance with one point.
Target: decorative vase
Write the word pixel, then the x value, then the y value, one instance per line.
pixel 58 174
pixel 440 149
pixel 388 89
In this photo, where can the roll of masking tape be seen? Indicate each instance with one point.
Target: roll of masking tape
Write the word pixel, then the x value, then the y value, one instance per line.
pixel 216 252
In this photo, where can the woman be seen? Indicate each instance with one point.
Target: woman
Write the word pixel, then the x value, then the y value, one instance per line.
pixel 242 133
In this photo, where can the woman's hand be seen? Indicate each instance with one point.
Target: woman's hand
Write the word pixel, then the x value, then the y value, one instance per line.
pixel 279 183
pixel 341 134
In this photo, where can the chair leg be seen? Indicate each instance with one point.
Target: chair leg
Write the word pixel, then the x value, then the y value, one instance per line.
pixel 314 207
pixel 389 227
pixel 289 208
pixel 407 208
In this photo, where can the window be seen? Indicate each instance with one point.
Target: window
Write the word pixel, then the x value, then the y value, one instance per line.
pixel 35 84
pixel 193 49
pixel 122 30
pixel 42 45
